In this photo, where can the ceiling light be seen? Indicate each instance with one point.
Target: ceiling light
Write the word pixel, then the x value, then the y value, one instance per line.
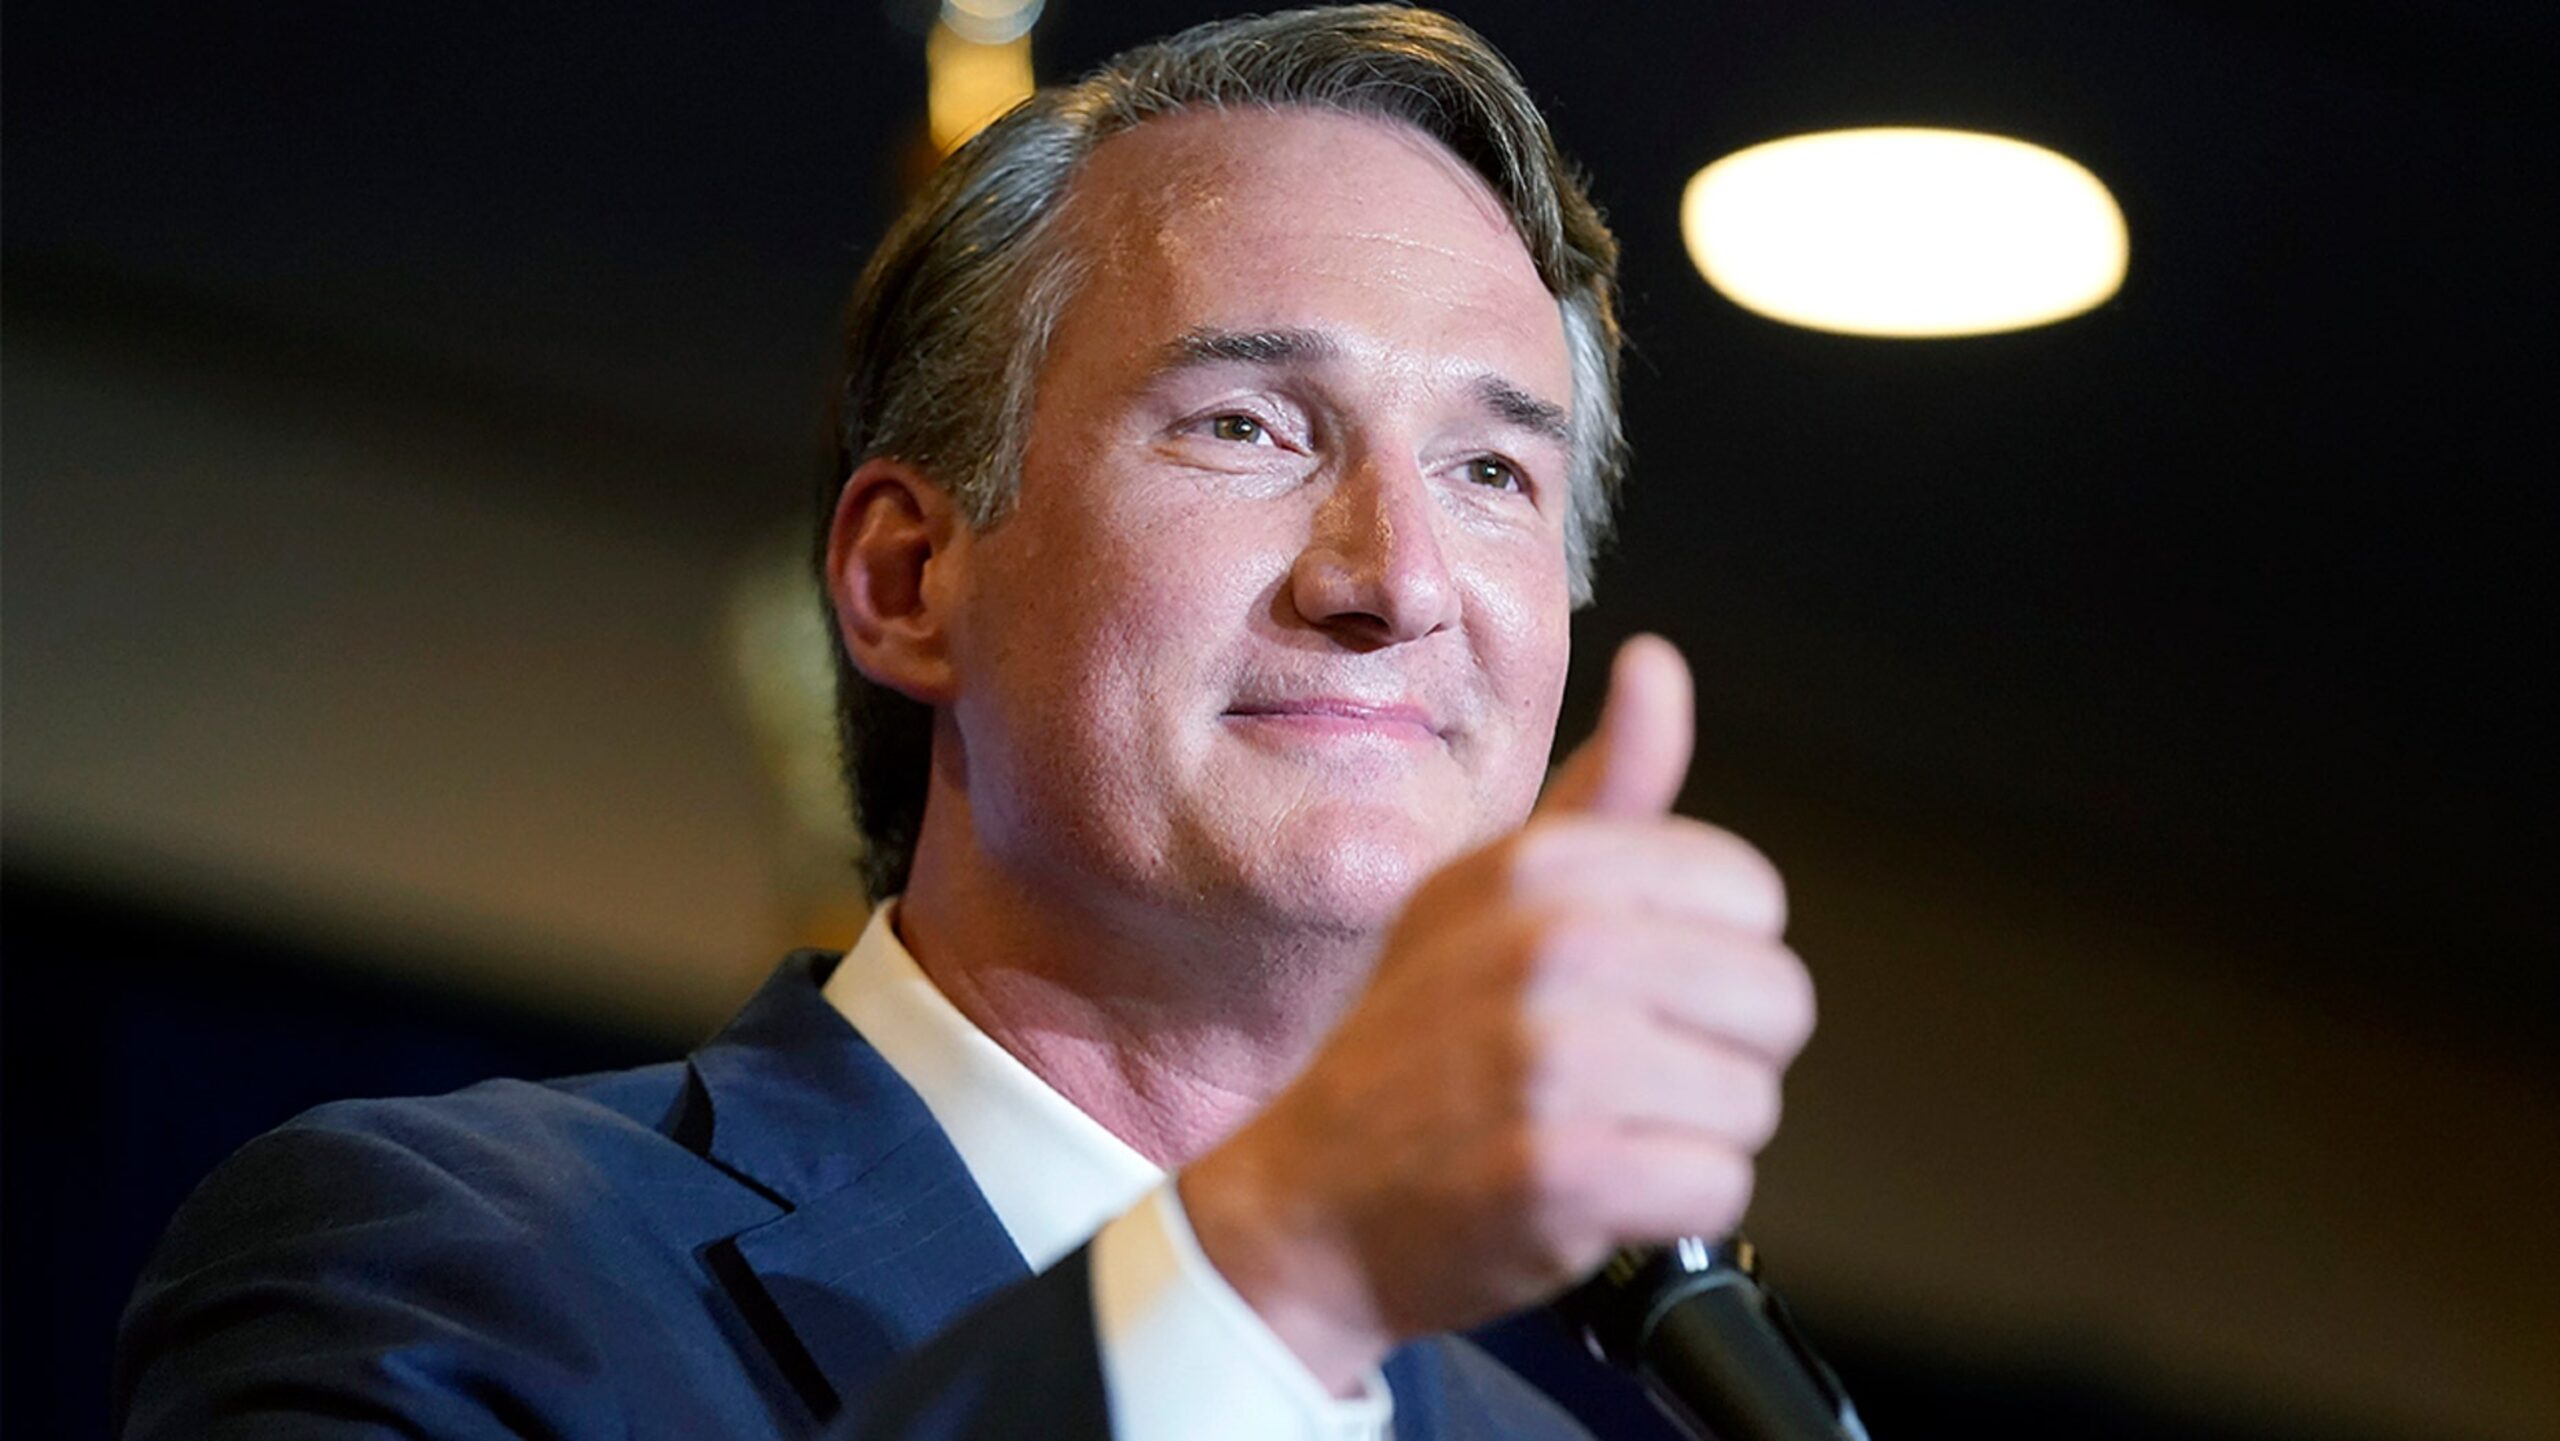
pixel 1905 232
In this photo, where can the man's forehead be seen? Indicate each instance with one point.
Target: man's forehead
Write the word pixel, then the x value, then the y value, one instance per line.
pixel 1170 174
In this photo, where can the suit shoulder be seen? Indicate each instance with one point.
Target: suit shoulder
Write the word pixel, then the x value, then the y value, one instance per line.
pixel 544 1126
pixel 542 1160
pixel 414 1258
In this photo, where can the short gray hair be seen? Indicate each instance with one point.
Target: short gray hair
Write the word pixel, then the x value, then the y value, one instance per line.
pixel 971 279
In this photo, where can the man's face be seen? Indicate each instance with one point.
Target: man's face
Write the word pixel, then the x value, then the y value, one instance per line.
pixel 1278 624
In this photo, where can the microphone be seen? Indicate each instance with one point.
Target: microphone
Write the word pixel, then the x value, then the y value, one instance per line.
pixel 1715 1349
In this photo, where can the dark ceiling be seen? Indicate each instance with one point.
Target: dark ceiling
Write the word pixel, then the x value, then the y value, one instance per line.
pixel 2222 597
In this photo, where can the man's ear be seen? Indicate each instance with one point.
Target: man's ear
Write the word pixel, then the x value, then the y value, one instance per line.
pixel 888 559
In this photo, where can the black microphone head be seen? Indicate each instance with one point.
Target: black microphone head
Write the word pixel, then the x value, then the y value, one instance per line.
pixel 1616 1310
pixel 1718 1353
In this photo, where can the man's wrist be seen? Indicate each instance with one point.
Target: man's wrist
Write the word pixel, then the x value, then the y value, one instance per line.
pixel 1286 1263
pixel 1184 1356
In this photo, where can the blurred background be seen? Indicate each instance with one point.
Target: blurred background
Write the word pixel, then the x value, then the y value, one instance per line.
pixel 411 413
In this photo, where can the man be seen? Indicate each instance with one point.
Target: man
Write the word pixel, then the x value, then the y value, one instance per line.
pixel 1227 438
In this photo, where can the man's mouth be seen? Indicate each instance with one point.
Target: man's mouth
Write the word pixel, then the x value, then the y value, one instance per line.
pixel 1339 717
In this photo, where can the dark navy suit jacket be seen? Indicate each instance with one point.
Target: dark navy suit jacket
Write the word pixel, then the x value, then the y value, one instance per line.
pixel 771 1239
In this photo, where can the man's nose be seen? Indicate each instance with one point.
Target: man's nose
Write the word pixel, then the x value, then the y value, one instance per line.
pixel 1374 570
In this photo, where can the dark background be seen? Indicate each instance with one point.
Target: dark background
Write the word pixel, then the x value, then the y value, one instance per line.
pixel 2143 707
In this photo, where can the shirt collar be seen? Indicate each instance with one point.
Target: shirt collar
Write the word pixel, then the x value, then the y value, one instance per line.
pixel 1051 1173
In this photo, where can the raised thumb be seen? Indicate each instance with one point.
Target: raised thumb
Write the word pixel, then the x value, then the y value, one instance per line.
pixel 1635 759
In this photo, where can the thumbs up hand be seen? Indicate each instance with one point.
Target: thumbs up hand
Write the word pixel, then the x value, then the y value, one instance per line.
pixel 1573 1042
pixel 1633 764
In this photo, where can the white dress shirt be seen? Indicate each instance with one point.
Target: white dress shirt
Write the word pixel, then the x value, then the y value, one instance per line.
pixel 1183 1356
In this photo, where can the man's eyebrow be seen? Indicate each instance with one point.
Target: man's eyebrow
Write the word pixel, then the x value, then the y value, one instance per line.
pixel 1522 409
pixel 1209 346
pixel 1243 347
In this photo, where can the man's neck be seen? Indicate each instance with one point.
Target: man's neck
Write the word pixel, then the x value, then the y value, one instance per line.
pixel 1171 1037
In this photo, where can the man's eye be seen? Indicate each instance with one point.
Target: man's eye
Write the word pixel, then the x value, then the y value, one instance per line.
pixel 1242 429
pixel 1493 471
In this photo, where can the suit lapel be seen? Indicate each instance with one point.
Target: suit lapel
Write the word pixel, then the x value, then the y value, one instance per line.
pixel 885 1239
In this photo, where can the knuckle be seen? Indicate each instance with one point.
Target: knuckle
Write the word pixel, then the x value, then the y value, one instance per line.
pixel 1723 1194
pixel 1745 882
pixel 1759 1105
pixel 1794 1006
pixel 1742 1101
pixel 1760 886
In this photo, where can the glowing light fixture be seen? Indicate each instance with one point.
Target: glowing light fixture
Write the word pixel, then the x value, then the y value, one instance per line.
pixel 977 63
pixel 1905 232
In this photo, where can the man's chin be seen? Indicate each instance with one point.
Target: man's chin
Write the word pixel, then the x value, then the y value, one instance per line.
pixel 1345 884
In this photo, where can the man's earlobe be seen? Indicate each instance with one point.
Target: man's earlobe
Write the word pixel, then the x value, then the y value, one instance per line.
pixel 893 527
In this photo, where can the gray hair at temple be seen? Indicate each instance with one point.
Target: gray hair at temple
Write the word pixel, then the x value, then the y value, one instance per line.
pixel 970 281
